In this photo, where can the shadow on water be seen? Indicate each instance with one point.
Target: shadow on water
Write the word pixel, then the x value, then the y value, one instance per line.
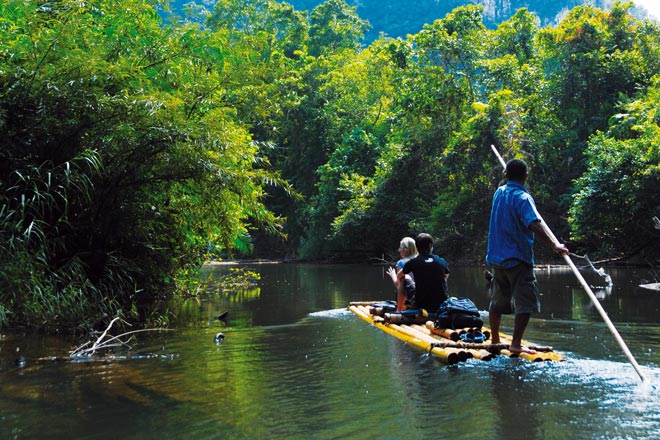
pixel 295 363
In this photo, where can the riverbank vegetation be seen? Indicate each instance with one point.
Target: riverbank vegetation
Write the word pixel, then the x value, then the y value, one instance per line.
pixel 133 148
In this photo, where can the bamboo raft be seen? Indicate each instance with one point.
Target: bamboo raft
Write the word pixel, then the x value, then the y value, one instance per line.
pixel 446 344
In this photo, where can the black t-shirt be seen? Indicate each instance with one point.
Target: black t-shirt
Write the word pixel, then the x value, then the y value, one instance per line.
pixel 429 272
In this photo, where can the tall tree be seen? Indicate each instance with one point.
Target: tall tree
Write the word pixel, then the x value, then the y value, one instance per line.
pixel 121 161
pixel 623 176
pixel 592 60
pixel 335 26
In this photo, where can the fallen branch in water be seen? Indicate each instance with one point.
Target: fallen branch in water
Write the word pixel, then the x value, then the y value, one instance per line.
pixel 87 351
pixel 104 341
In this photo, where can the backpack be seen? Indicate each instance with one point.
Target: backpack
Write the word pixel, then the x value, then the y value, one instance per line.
pixel 458 313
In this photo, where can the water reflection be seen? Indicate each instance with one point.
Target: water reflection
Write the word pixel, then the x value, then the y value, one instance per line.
pixel 296 364
pixel 602 292
pixel 509 390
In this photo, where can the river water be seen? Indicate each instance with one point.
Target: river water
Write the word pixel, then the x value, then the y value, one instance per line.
pixel 295 363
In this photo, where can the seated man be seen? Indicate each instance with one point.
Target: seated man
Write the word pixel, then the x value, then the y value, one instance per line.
pixel 430 273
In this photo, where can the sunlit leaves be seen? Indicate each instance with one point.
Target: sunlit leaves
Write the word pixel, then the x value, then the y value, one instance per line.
pixel 335 26
pixel 623 176
pixel 123 153
pixel 455 43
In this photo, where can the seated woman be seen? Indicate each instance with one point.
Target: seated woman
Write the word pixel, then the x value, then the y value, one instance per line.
pixel 407 251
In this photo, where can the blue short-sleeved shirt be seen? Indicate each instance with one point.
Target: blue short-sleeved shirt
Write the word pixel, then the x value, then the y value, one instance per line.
pixel 510 241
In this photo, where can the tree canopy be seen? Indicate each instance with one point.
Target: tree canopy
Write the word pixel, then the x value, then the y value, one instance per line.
pixel 121 159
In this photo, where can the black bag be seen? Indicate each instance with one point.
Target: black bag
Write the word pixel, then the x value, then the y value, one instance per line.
pixel 458 313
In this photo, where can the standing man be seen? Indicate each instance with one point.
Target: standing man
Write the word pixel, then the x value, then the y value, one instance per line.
pixel 430 273
pixel 513 222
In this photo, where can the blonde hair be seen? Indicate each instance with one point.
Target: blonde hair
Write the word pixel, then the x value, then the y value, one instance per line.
pixel 408 243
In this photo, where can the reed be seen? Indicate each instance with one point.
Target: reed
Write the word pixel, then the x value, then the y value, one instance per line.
pixel 44 275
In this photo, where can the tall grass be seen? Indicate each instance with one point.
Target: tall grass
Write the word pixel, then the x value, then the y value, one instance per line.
pixel 43 274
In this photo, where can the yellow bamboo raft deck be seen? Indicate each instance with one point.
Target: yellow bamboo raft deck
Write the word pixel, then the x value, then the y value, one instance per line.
pixel 445 343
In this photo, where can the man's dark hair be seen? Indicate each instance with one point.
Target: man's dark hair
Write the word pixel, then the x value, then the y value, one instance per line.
pixel 424 243
pixel 516 169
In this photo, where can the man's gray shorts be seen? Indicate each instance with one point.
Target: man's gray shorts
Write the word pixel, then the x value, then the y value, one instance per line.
pixel 515 291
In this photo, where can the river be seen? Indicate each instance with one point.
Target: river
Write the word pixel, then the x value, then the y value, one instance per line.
pixel 294 363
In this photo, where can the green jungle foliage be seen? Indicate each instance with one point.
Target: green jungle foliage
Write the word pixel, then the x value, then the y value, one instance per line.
pixel 398 18
pixel 135 148
pixel 123 160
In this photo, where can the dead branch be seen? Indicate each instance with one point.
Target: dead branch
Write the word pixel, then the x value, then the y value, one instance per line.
pixel 104 341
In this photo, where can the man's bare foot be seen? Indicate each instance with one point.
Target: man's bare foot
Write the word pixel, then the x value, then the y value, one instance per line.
pixel 521 349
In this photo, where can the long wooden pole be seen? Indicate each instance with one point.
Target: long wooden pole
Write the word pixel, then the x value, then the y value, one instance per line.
pixel 591 294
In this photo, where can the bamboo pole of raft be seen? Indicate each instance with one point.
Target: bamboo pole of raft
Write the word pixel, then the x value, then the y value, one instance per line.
pixel 450 355
pixel 591 294
pixel 453 334
pixel 364 303
pixel 463 353
pixel 477 352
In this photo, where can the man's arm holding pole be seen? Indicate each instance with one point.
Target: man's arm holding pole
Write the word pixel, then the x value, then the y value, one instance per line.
pixel 541 230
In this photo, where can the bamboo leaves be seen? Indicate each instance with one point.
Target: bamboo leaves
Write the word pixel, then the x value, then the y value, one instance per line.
pixel 123 161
